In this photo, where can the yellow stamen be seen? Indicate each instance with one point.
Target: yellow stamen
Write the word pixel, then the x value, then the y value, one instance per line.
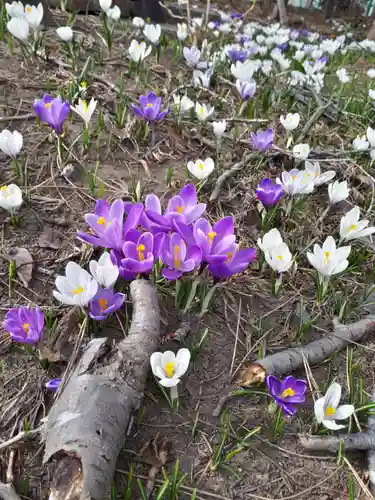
pixel 329 411
pixel 294 177
pixel 85 106
pixel 353 227
pixel 211 235
pixel 78 290
pixel 48 105
pixel 229 256
pixel 279 257
pixel 287 392
pixel 141 252
pixel 200 165
pixel 102 304
pixel 149 105
pixel 101 221
pixel 83 84
pixel 169 369
pixel 3 188
pixel 326 257
pixel 176 256
pixel 180 209
pixel 28 9
pixel 26 327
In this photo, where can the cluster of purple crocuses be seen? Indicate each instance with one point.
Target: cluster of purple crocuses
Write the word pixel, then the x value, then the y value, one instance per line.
pixel 180 237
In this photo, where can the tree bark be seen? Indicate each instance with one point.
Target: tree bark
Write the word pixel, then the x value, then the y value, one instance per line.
pixel 86 427
pixel 282 12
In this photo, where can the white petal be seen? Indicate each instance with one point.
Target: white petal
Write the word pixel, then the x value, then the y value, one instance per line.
pixel 64 299
pixel 155 362
pixel 169 382
pixel 331 424
pixel 332 396
pixel 319 409
pixel 182 362
pixel 343 412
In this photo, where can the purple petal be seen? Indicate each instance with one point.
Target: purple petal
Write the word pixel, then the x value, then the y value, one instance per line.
pixel 171 274
pixel 152 203
pixel 189 195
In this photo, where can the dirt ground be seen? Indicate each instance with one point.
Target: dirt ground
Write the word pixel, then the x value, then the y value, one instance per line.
pixel 244 319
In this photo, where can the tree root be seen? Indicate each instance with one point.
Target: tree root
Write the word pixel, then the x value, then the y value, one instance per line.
pixel 359 441
pixel 285 362
pixel 86 427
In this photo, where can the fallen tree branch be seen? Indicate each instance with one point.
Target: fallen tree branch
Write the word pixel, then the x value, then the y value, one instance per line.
pixel 20 436
pixel 289 360
pixel 223 177
pixel 86 427
pixel 359 441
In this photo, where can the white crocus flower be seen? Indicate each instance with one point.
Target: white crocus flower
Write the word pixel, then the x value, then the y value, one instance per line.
pixel 371 94
pixel 10 197
pixel 295 182
pixel 105 5
pixel 290 121
pixel 104 271
pixel 65 33
pixel 219 127
pixel 338 191
pixel 182 104
pixel 270 240
pixel 192 56
pixel 11 143
pixel 329 260
pixel 299 55
pixel 351 228
pixel 138 22
pixel 301 151
pixel 15 9
pixel 279 258
pixel 370 72
pixel 168 367
pixel 201 169
pixel 34 15
pixel 202 78
pixel 342 75
pixel 370 134
pixel 327 409
pixel 182 31
pixel 114 13
pixel 360 143
pixel 313 169
pixel 243 71
pixel 85 110
pixel 139 51
pixel 203 111
pixel 76 288
pixel 152 32
pixel 19 28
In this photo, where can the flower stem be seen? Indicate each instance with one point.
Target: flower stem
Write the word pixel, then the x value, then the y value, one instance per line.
pixel 174 398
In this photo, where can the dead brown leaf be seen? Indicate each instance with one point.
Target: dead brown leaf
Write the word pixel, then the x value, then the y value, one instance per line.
pixel 24 264
pixel 50 238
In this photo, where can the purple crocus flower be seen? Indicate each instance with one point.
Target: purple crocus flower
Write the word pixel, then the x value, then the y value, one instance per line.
pixel 283 46
pixel 240 38
pixel 24 324
pixel 105 302
pixel 294 34
pixel 53 384
pixel 246 89
pixel 149 108
pixel 108 226
pixel 52 111
pixel 184 207
pixel 141 251
pixel 269 193
pixel 178 257
pixel 262 139
pixel 236 15
pixel 287 392
pixel 237 55
pixel 236 261
pixel 214 241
